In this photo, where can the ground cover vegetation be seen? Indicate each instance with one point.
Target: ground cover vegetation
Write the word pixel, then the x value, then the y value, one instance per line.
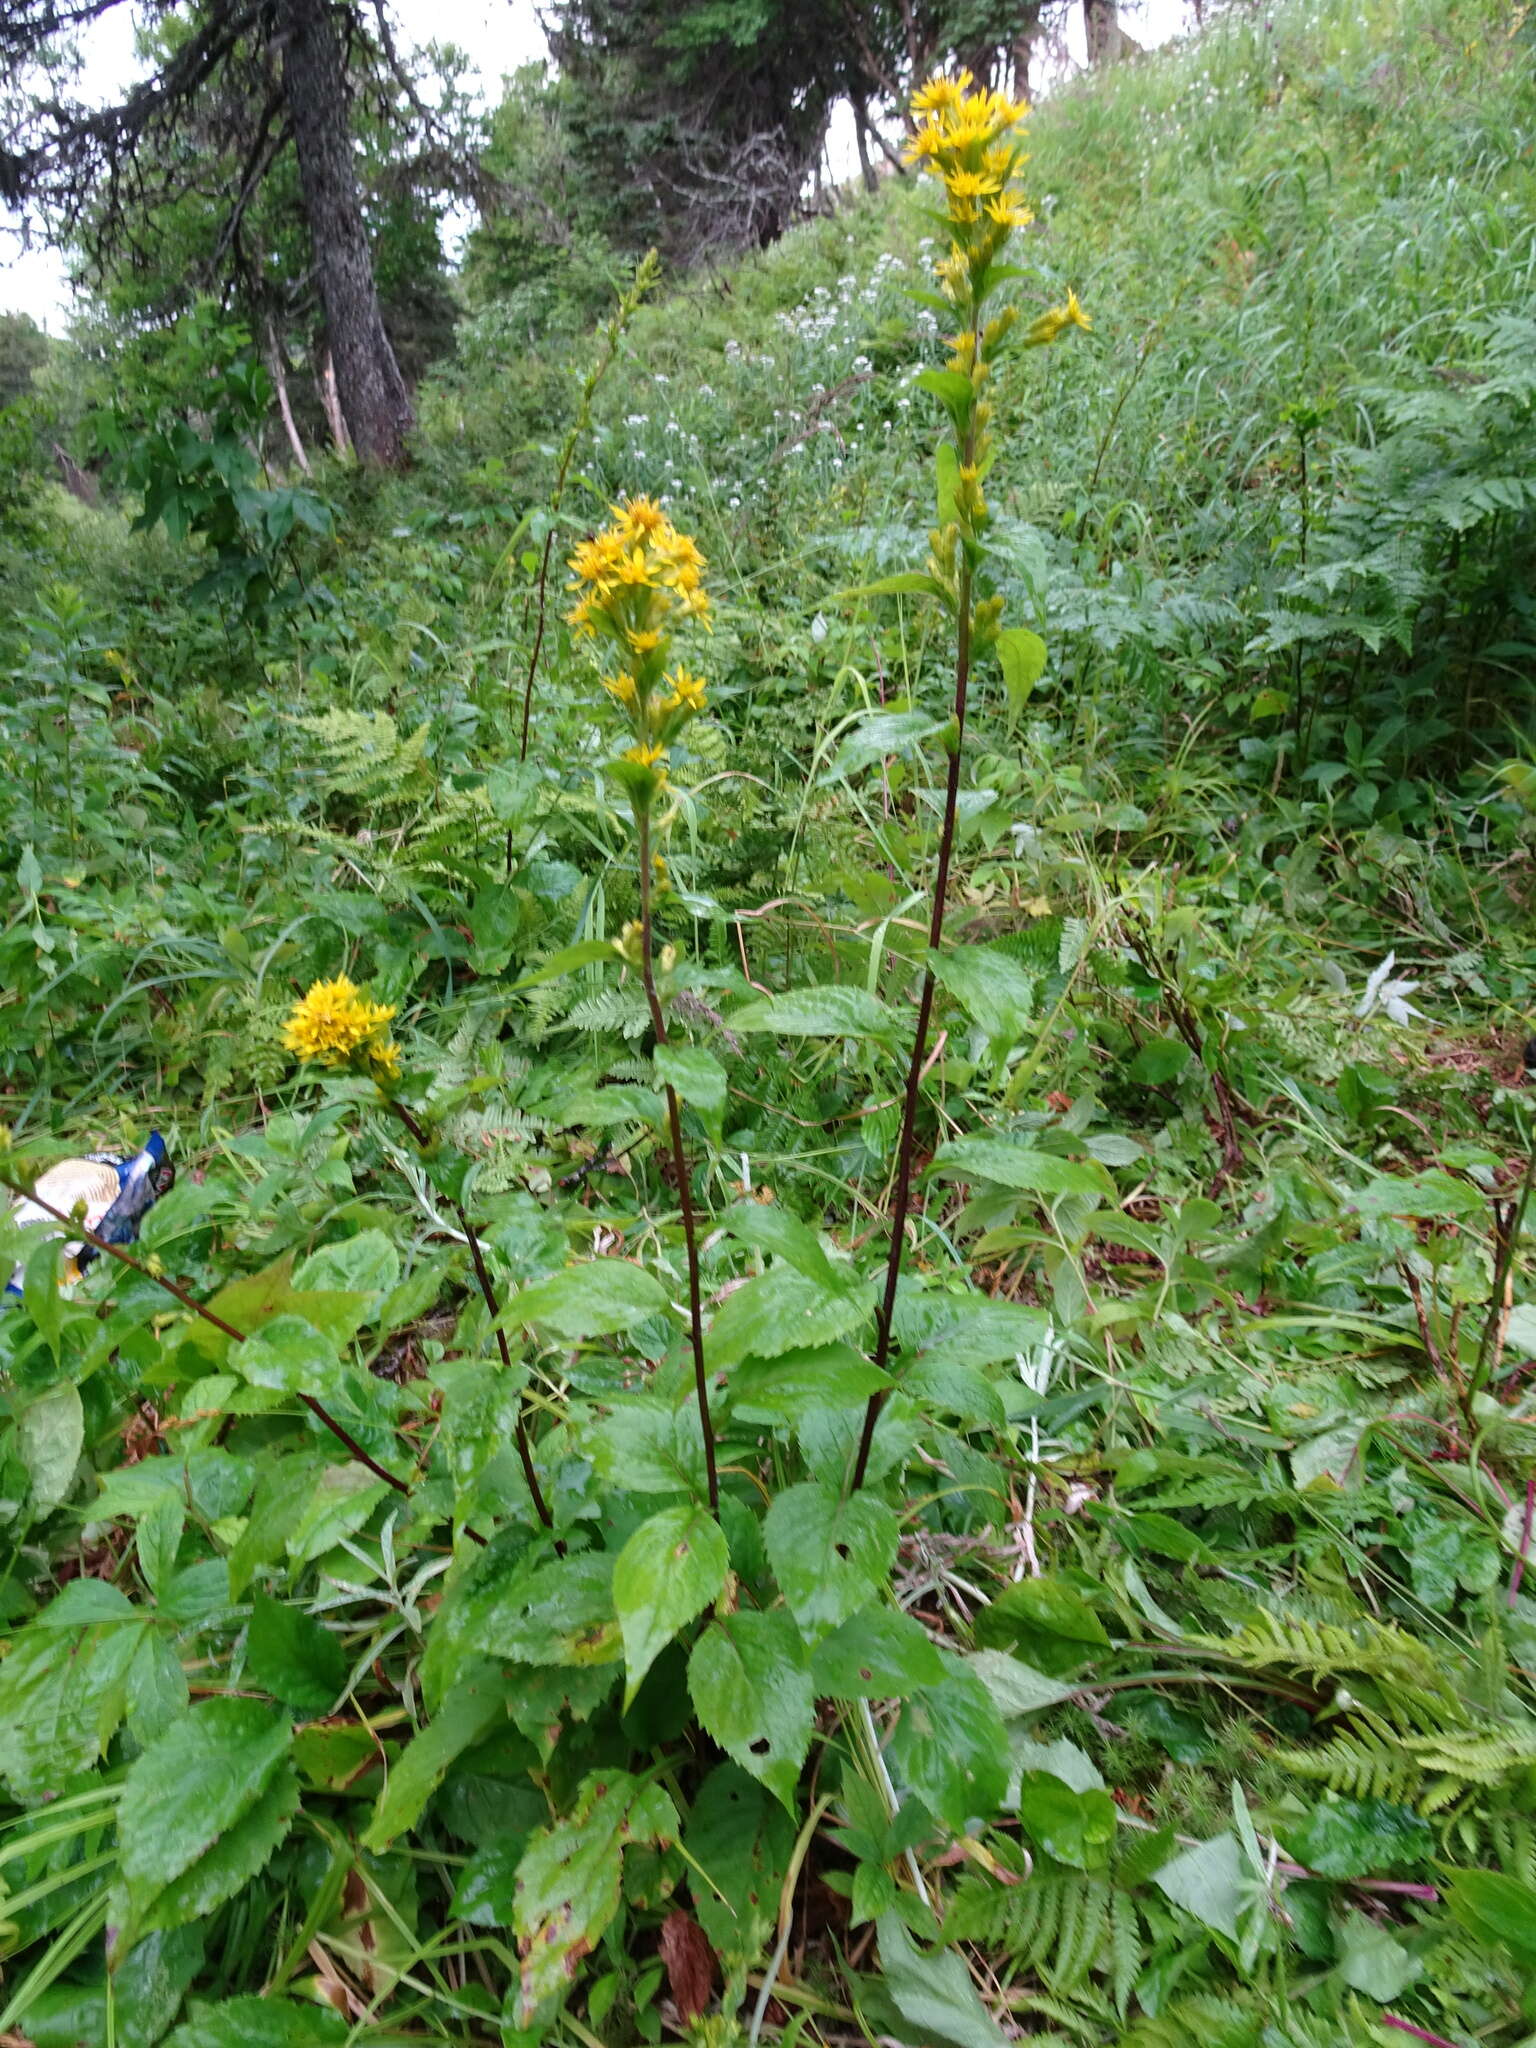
pixel 843 1347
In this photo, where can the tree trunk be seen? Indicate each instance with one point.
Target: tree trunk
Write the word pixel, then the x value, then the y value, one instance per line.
pixel 1101 30
pixel 280 385
pixel 861 134
pixel 330 404
pixel 373 396
pixel 1024 48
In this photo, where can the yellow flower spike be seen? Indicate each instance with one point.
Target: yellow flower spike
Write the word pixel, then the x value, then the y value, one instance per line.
pixel 333 1025
pixel 630 946
pixel 645 642
pixel 1053 324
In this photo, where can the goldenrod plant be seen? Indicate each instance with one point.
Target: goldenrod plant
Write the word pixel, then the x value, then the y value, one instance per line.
pixel 637 581
pixel 971 141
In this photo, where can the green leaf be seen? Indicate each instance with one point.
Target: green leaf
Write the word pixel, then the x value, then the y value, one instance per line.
pixel 1021 655
pixel 954 389
pixel 536 1610
pixel 585 953
pixel 1373 1962
pixel 468 1712
pixel 833 1010
pixel 1159 1060
pixel 291 1656
pixel 783 1311
pixel 934 1991
pixel 910 583
pixel 1495 1908
pixel 341 1500
pixel 1016 1688
pixel 192 1785
pixel 1354 1837
pixel 50 1435
pixel 996 990
pixel 592 1300
pixel 645 1446
pixel 769 1228
pixel 740 1842
pixel 750 1685
pixel 830 1556
pixel 366 1264
pixel 880 734
pixel 288 1354
pixel 568 1880
pixel 1207 1881
pixel 668 1571
pixel 1077 1828
pixel 879 1653
pixel 951 1749
pixel 1021 1167
pixel 228 1864
pixel 825 1376
pixel 697 1075
pixel 63 1688
pixel 263 2022
pixel 946 464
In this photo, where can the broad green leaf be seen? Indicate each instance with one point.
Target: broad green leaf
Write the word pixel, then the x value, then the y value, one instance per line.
pixel 1021 1167
pixel 537 1610
pixel 340 1501
pixel 592 1300
pixel 63 1688
pixel 1495 1908
pixel 50 1435
pixel 879 1653
pixel 934 1991
pixel 365 1264
pixel 1077 1828
pixel 953 388
pixel 568 1880
pixel 1434 1195
pixel 951 1749
pixel 1160 1060
pixel 257 1298
pixel 834 1010
pixel 1373 1961
pixel 229 1863
pixel 290 1655
pixel 996 990
pixel 585 953
pixel 288 1354
pixel 740 1841
pixel 468 1712
pixel 880 734
pixel 647 1446
pixel 1207 1881
pixel 827 1376
pixel 1021 656
pixel 261 2023
pixel 769 1228
pixel 696 1074
pixel 1016 1688
pixel 751 1688
pixel 782 1310
pixel 668 1571
pixel 186 1790
pixel 830 1556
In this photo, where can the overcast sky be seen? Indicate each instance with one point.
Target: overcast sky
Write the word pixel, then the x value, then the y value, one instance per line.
pixel 498 36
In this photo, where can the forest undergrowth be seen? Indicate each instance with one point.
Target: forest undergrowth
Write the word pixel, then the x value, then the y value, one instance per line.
pixel 834 1359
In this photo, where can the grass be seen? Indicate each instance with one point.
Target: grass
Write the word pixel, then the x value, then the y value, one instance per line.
pixel 1215 1425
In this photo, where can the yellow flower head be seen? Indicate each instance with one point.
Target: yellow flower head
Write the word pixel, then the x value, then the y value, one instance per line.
pixel 968 137
pixel 631 573
pixel 621 686
pixel 1053 324
pixel 686 690
pixel 942 95
pixel 335 1026
pixel 645 642
pixel 646 756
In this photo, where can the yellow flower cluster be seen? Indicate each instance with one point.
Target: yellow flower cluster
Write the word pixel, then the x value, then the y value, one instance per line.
pixel 335 1026
pixel 637 580
pixel 970 140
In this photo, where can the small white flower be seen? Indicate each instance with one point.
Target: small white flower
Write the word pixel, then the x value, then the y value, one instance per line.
pixel 819 629
pixel 1388 996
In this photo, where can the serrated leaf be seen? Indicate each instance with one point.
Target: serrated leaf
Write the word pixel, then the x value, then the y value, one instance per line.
pixel 934 1991
pixel 469 1711
pixel 751 1688
pixel 50 1435
pixel 794 1383
pixel 668 1571
pixel 1021 656
pixel 695 1074
pixel 951 1749
pixel 229 1863
pixel 833 1010
pixel 261 2023
pixel 188 1788
pixel 877 736
pixel 769 1228
pixel 597 1299
pixel 1020 1167
pixel 781 1311
pixel 879 1653
pixel 830 1556
pixel 290 1655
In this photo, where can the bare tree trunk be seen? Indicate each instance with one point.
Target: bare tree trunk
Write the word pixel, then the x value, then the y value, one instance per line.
pixel 1024 44
pixel 280 384
pixel 861 134
pixel 1101 31
pixel 372 391
pixel 330 404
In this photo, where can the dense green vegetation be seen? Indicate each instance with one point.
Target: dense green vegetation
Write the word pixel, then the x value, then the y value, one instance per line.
pixel 375 1670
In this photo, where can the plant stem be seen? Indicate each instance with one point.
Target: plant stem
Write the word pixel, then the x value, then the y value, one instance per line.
pixel 1508 1244
pixel 124 1258
pixel 488 1294
pixel 679 1163
pixel 908 1145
